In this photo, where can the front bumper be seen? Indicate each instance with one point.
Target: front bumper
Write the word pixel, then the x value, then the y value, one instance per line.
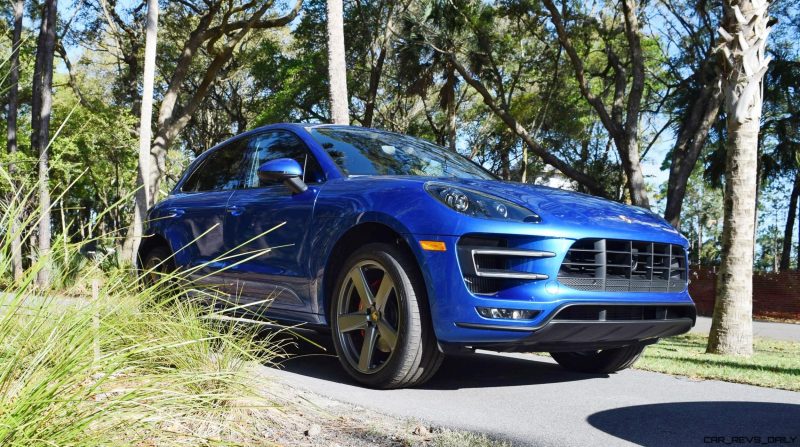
pixel 568 335
pixel 457 322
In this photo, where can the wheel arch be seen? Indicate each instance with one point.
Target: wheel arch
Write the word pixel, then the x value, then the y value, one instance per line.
pixel 148 243
pixel 357 236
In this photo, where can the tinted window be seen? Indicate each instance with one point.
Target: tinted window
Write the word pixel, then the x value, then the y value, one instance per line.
pixel 280 144
pixel 371 152
pixel 221 170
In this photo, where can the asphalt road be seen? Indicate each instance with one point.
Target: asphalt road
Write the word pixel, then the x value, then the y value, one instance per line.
pixel 532 401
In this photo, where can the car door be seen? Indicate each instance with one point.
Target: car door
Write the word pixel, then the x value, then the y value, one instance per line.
pixel 267 226
pixel 197 213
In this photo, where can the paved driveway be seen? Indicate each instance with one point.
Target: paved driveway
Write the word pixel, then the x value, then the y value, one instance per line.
pixel 532 401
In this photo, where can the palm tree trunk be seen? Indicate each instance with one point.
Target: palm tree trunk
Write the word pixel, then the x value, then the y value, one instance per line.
pixel 337 69
pixel 144 196
pixel 786 253
pixel 13 102
pixel 40 135
pixel 743 65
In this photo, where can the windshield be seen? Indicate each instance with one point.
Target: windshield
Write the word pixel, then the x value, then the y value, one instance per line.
pixel 373 152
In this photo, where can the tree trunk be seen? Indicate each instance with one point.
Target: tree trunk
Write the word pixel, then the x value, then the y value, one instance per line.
pixel 629 155
pixel 624 131
pixel 630 158
pixel 786 253
pixel 743 64
pixel 13 102
pixel 372 91
pixel 451 105
pixel 40 135
pixel 505 162
pixel 691 139
pixel 172 118
pixel 144 196
pixel 337 69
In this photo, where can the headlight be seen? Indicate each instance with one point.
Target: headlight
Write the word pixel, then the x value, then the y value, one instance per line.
pixel 480 205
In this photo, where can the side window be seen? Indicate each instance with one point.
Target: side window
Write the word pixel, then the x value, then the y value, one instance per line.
pixel 280 144
pixel 220 171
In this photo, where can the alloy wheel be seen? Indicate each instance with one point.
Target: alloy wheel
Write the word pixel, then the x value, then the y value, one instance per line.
pixel 368 317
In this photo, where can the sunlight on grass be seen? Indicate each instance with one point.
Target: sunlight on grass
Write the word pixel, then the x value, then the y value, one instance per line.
pixel 776 364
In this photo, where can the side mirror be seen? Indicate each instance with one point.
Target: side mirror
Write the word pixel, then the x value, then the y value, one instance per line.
pixel 283 170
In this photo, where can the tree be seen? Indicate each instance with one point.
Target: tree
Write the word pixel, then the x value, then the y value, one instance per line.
pixel 220 28
pixel 621 120
pixel 786 250
pixel 425 56
pixel 743 65
pixel 13 103
pixel 696 98
pixel 42 103
pixel 780 135
pixel 337 70
pixel 475 41
pixel 144 199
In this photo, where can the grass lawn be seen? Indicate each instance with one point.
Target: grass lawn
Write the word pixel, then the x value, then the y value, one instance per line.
pixel 775 364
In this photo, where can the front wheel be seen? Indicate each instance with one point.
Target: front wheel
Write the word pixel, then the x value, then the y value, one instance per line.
pixel 605 361
pixel 381 325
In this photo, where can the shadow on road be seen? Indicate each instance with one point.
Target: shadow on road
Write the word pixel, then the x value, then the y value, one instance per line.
pixel 703 423
pixel 480 370
pixel 485 370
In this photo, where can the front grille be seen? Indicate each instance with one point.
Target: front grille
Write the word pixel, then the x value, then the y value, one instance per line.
pixel 598 312
pixel 614 265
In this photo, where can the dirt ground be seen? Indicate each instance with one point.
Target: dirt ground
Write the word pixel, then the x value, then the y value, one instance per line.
pixel 302 418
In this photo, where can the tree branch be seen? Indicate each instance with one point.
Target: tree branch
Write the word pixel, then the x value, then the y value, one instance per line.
pixel 577 64
pixel 580 177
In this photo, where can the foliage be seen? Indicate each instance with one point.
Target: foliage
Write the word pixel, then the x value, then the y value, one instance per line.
pixel 399 79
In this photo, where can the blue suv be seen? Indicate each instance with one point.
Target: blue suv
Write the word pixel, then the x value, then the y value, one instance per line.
pixel 406 251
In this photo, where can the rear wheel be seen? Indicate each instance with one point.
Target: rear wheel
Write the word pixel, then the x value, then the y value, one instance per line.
pixel 157 262
pixel 381 326
pixel 604 361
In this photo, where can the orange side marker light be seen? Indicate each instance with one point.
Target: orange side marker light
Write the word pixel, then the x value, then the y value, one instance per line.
pixel 433 245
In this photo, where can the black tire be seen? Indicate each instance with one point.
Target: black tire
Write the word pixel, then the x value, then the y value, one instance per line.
pixel 410 355
pixel 156 263
pixel 606 361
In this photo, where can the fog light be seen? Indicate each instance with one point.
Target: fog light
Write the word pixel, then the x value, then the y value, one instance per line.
pixel 508 314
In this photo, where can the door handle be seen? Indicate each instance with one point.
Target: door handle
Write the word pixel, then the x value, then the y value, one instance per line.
pixel 234 210
pixel 174 212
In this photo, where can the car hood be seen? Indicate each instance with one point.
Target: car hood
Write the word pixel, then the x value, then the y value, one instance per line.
pixel 569 207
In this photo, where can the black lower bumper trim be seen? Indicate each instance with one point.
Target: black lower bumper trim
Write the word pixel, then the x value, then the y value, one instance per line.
pixel 567 336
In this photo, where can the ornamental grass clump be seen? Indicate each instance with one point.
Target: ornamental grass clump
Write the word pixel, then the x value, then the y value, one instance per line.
pixel 126 364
